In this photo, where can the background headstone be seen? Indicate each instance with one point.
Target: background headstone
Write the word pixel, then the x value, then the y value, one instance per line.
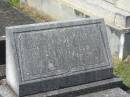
pixel 49 56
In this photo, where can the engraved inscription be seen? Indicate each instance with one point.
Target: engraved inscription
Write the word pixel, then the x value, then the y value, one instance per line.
pixel 60 51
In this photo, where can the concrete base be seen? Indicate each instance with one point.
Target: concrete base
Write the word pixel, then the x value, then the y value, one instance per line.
pixel 115 92
pixel 71 91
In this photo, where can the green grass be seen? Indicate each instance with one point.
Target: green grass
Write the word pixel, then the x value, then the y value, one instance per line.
pixel 122 70
pixel 14 2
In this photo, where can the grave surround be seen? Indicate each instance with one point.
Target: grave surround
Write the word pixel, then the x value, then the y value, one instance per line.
pixel 56 55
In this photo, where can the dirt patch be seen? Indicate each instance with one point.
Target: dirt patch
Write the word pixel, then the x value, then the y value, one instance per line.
pixel 36 15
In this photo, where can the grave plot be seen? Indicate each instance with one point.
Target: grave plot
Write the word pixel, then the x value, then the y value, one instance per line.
pixel 52 56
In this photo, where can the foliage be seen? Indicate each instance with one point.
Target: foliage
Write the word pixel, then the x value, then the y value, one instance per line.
pixel 122 70
pixel 14 2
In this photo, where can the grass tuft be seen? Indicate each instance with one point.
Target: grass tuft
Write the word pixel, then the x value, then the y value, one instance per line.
pixel 122 70
pixel 14 2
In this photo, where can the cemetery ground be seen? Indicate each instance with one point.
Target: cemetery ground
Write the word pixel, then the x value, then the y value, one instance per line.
pixel 121 69
pixel 34 14
pixel 11 16
pixel 31 12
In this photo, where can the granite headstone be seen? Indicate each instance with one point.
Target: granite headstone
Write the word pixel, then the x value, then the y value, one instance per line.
pixel 50 56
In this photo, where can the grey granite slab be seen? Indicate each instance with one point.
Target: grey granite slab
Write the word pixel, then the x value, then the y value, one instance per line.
pixel 116 92
pixel 50 56
pixel 70 91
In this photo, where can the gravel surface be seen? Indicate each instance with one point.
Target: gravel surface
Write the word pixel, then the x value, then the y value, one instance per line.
pixel 128 91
